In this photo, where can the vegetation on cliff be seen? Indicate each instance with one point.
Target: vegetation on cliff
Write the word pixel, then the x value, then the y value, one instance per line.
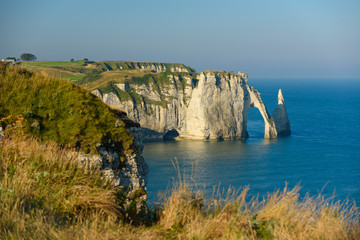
pixel 104 76
pixel 57 110
pixel 84 72
pixel 44 192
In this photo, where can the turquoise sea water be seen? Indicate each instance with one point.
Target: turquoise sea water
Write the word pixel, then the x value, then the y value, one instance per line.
pixel 322 154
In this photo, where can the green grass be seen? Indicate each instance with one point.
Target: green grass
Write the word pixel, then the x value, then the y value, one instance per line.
pixel 126 65
pixel 72 78
pixel 90 76
pixel 220 73
pixel 49 63
pixel 63 112
pixel 97 75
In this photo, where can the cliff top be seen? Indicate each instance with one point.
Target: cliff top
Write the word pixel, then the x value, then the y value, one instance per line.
pixel 220 72
pixel 106 76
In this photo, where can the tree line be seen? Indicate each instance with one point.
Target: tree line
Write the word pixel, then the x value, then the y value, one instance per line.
pixel 32 57
pixel 28 57
pixel 24 57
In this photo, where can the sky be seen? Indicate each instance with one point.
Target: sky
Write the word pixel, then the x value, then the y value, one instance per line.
pixel 266 39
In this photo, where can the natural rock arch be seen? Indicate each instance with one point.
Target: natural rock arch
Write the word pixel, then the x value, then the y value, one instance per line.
pixel 255 126
pixel 256 102
pixel 276 125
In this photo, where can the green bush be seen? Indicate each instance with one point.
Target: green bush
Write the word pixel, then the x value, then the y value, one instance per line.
pixel 60 111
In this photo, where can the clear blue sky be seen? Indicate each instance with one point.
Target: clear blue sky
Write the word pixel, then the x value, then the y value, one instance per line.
pixel 266 39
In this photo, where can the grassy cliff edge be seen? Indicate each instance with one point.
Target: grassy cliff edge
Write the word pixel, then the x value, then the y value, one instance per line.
pixel 57 110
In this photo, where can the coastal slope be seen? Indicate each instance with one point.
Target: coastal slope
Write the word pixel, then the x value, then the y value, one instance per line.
pixel 54 110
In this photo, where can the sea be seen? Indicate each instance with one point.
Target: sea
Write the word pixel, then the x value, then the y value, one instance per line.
pixel 322 155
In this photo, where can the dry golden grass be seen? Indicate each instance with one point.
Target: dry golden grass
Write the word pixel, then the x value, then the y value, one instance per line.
pixel 55 73
pixel 73 73
pixel 45 195
pixel 42 187
pixel 281 215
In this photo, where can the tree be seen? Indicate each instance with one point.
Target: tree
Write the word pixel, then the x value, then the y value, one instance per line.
pixel 28 57
pixel 72 60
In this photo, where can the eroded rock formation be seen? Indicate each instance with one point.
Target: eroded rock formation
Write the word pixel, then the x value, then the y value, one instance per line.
pixel 270 128
pixel 281 118
pixel 211 105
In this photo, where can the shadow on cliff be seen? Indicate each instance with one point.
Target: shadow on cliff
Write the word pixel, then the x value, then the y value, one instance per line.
pixel 171 135
pixel 155 136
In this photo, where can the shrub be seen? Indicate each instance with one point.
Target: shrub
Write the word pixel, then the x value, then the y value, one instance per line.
pixel 62 111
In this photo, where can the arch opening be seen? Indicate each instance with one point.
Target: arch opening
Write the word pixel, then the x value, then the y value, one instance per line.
pixel 255 123
pixel 171 135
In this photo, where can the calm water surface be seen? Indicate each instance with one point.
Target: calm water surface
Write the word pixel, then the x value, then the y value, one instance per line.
pixel 322 154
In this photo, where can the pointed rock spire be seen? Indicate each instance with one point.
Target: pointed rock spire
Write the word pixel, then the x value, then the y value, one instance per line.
pixel 280 98
pixel 281 118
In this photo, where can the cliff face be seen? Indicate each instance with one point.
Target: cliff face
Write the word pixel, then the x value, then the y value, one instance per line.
pixel 128 171
pixel 210 105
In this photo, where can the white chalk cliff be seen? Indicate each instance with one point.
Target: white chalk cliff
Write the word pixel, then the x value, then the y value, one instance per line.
pixel 211 105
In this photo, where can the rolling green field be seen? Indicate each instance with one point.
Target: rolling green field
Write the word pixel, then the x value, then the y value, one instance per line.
pixel 73 71
pixel 104 76
pixel 49 63
pixel 85 72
